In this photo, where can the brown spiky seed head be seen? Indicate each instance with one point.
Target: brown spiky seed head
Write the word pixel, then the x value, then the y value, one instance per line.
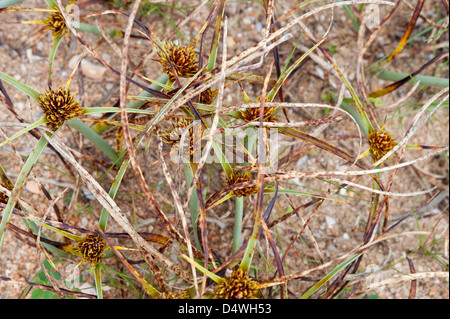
pixel 172 136
pixel 236 178
pixel 252 114
pixel 380 143
pixel 59 105
pixel 238 286
pixel 206 97
pixel 184 59
pixel 182 294
pixel 191 139
pixel 56 23
pixel 92 248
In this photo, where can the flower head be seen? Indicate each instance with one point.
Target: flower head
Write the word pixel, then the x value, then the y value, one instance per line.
pixel 184 59
pixel 252 114
pixel 182 294
pixel 236 178
pixel 238 286
pixel 91 248
pixel 181 140
pixel 56 23
pixel 59 106
pixel 380 143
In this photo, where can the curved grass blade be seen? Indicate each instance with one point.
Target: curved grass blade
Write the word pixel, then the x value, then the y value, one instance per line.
pixel 273 92
pixel 163 78
pixel 20 86
pixel 104 216
pixel 20 182
pixel 90 134
pixel 405 78
pixel 405 37
pixel 211 275
pixel 328 277
pixel 25 130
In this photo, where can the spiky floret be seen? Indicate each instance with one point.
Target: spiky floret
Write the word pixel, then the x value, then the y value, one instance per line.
pixel 238 286
pixel 252 114
pixel 172 136
pixel 182 294
pixel 92 248
pixel 380 143
pixel 206 97
pixel 191 139
pixel 184 59
pixel 56 23
pixel 59 105
pixel 236 178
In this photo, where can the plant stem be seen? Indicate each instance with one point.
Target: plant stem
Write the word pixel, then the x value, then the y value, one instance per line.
pixel 193 202
pixel 98 281
pixel 424 79
pixel 237 231
pixel 103 221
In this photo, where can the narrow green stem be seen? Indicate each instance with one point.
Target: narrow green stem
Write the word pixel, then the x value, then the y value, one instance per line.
pixel 103 221
pixel 328 277
pixel 237 231
pixel 93 29
pixel 250 249
pixel 98 281
pixel 193 202
pixel 51 58
pixel 424 79
pixel 24 130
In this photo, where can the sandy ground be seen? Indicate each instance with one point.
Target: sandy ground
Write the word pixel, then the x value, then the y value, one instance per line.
pixel 337 227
